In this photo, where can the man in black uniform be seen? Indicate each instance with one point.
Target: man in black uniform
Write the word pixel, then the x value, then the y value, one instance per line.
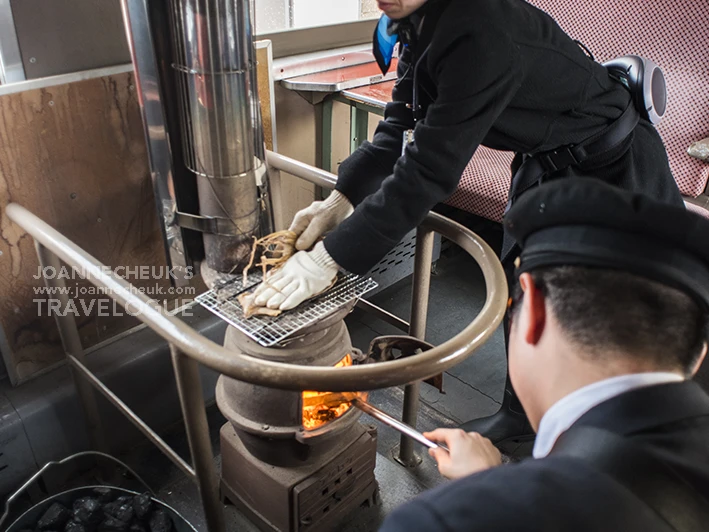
pixel 608 324
pixel 500 73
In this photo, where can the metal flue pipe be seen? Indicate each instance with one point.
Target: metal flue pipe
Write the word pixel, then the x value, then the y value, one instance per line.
pixel 221 131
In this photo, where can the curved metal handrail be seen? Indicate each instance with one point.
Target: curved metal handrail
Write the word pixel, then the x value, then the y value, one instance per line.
pixel 278 374
pixel 282 375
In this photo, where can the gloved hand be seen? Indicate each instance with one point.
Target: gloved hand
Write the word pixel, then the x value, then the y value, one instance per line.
pixel 319 218
pixel 304 275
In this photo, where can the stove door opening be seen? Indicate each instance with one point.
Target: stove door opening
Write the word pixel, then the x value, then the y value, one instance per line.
pixel 320 408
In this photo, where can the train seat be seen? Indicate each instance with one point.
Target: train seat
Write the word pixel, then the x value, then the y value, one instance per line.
pixel 670 32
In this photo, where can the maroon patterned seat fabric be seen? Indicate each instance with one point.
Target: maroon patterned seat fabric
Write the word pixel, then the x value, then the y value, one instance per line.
pixel 673 33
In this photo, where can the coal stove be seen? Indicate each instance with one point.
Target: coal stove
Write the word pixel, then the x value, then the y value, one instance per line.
pixel 289 461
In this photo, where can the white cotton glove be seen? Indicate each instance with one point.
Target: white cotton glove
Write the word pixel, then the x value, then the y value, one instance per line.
pixel 322 216
pixel 304 275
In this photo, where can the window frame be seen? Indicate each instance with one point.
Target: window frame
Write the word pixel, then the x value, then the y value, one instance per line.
pixel 11 68
pixel 316 39
pixel 286 43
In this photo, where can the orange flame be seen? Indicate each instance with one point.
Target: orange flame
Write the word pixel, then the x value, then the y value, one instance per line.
pixel 317 415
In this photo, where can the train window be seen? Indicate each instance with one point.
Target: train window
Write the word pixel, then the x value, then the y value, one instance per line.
pixel 280 15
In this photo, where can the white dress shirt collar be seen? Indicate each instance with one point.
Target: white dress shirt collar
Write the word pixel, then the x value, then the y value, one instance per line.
pixel 569 409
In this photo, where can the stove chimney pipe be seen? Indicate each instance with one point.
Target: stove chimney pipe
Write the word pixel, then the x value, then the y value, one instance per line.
pixel 201 52
pixel 212 40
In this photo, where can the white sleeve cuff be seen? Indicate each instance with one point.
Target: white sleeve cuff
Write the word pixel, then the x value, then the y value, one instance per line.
pixel 337 201
pixel 322 258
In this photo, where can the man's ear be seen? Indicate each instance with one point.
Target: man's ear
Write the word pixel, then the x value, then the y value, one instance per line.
pixel 533 307
pixel 698 363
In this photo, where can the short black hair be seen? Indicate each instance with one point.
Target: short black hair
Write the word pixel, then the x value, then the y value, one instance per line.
pixel 611 311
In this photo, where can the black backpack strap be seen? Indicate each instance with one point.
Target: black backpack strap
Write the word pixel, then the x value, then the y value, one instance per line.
pixel 651 480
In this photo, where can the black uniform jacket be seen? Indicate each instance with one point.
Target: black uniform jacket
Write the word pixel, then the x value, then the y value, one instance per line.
pixel 567 494
pixel 500 73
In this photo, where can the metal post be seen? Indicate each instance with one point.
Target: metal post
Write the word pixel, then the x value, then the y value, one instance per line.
pixel 325 144
pixel 71 341
pixel 326 156
pixel 417 329
pixel 359 127
pixel 189 386
pixel 131 416
pixel 277 201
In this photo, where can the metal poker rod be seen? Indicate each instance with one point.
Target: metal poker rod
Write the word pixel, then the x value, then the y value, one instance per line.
pixel 396 424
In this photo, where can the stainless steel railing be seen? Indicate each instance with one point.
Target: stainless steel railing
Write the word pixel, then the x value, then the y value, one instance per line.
pixel 189 348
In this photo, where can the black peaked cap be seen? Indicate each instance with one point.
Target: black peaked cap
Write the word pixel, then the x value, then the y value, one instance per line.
pixel 586 222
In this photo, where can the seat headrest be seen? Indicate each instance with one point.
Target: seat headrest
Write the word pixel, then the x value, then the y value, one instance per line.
pixel 646 83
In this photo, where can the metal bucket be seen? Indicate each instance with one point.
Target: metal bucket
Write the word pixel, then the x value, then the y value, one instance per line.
pixel 29 518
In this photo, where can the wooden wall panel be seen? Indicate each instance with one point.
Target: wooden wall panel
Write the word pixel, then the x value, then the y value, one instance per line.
pixel 264 62
pixel 75 156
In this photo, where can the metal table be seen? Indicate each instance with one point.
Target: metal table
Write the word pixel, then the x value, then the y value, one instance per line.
pixel 340 79
pixel 362 100
pixel 362 87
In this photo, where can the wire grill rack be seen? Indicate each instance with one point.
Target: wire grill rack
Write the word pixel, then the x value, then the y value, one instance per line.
pixel 269 331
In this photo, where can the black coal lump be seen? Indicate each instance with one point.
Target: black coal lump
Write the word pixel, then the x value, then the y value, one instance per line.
pixel 103 494
pixel 142 505
pixel 160 521
pixel 124 499
pixel 121 510
pixel 137 527
pixel 88 511
pixel 54 518
pixel 111 524
pixel 74 526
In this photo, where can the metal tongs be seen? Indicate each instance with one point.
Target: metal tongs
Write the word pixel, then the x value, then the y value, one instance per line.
pixel 394 423
pixel 356 399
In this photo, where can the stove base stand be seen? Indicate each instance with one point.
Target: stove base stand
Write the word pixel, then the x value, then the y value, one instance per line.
pixel 313 497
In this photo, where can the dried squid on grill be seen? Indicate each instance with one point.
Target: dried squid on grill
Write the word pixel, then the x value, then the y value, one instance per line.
pixel 276 249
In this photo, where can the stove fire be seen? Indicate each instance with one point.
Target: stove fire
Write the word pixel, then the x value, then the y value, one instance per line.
pixel 319 409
